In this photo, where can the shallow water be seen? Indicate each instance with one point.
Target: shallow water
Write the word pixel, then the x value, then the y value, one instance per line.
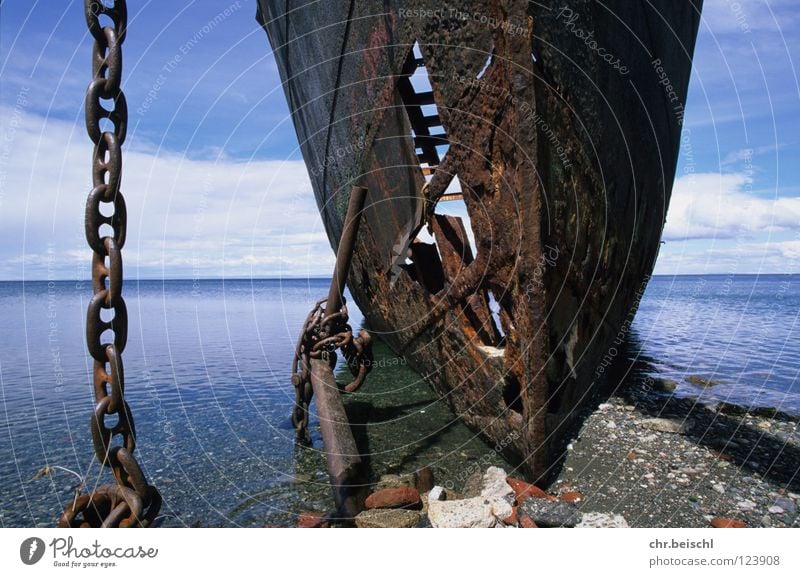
pixel 207 371
pixel 739 336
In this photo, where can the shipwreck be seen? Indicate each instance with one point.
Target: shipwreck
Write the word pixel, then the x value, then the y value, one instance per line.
pixel 557 125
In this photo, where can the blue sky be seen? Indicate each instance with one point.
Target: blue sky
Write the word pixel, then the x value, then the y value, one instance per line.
pixel 215 184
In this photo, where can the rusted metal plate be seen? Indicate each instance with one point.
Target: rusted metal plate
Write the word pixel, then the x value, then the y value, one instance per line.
pixel 337 62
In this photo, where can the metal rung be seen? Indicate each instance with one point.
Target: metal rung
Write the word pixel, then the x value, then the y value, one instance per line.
pixel 452 196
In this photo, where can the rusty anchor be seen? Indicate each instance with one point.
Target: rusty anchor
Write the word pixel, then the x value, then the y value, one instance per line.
pixel 324 331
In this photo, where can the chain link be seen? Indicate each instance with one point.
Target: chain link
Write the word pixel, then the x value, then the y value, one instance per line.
pixel 131 502
pixel 321 336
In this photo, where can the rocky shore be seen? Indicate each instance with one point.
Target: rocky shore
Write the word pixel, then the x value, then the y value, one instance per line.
pixel 641 459
pixel 661 461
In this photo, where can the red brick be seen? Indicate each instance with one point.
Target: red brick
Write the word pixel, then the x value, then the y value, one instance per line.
pixel 312 520
pixel 523 490
pixel 395 498
pixel 723 523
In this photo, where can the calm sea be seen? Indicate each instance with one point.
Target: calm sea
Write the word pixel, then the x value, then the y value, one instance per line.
pixel 207 377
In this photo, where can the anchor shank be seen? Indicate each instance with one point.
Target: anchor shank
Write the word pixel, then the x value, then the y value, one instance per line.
pixel 345 467
pixel 344 254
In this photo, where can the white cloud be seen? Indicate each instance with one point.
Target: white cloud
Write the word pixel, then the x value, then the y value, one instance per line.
pixel 746 258
pixel 210 217
pixel 219 217
pixel 719 206
pixel 747 16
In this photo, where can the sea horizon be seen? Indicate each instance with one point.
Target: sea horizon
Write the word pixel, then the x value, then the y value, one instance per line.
pixel 328 277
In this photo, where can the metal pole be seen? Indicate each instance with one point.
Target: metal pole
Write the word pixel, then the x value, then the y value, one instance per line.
pixel 344 254
pixel 345 468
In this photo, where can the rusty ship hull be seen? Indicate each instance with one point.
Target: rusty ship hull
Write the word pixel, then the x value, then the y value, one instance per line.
pixel 558 126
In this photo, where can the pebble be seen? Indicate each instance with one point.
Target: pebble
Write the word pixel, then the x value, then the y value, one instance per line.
pixel 312 520
pixel 572 497
pixel 724 523
pixel 551 513
pixel 663 425
pixel 395 481
pixel 494 483
pixel 602 520
pixel 387 518
pixel 474 485
pixel 775 510
pixel 786 504
pixel 437 494
pixel 746 505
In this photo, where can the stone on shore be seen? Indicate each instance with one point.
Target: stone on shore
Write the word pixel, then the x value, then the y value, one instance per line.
pixel 473 485
pixel 663 425
pixel 312 520
pixel 437 494
pixel 572 497
pixel 703 382
pixel 387 519
pixel 787 505
pixel 602 521
pixel 523 490
pixel 494 484
pixel 723 523
pixel 551 513
pixel 395 482
pixel 666 385
pixel 469 513
pixel 746 505
pixel 395 498
pixel 526 522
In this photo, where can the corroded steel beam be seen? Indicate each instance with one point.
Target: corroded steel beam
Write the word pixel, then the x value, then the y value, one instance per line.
pixel 345 467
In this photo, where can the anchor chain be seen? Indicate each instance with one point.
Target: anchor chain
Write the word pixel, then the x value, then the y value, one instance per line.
pixel 321 336
pixel 131 502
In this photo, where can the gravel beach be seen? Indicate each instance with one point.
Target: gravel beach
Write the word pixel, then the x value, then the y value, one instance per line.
pixel 643 457
pixel 661 461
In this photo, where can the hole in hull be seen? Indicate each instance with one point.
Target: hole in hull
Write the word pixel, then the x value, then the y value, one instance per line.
pixel 437 261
